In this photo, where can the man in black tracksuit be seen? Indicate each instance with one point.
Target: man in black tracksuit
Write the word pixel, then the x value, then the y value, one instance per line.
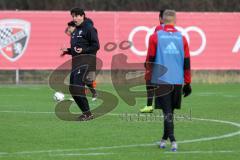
pixel 69 31
pixel 84 46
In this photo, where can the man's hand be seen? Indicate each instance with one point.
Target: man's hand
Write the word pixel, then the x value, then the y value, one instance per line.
pixel 148 65
pixel 78 50
pixel 63 51
pixel 187 90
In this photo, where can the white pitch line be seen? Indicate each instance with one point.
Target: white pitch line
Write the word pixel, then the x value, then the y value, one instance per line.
pixel 83 149
pixel 139 145
pixel 14 95
pixel 197 152
pixel 2 153
pixel 231 96
pixel 81 154
pixel 27 112
pixel 204 94
pixel 215 137
pixel 185 141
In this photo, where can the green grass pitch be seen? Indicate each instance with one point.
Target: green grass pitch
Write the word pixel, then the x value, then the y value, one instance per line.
pixel 30 130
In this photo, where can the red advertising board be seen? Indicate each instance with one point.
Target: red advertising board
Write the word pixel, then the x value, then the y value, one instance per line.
pixel 32 39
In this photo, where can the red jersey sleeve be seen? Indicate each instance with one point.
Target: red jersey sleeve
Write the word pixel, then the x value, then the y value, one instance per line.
pixel 152 48
pixel 158 28
pixel 187 64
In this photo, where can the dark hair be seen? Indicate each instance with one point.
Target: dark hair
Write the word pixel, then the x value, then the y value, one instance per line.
pixel 71 24
pixel 161 13
pixel 77 11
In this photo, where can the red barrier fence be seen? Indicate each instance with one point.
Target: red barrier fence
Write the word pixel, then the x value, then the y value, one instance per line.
pixel 32 39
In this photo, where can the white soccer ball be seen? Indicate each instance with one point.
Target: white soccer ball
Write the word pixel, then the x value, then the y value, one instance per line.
pixel 58 96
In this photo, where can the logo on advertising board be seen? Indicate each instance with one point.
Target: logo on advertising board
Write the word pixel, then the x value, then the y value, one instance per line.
pixel 184 31
pixel 14 36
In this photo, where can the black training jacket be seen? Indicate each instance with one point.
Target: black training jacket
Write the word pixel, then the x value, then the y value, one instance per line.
pixel 85 36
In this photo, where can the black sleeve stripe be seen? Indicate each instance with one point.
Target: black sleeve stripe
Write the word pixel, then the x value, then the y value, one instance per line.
pixel 151 59
pixel 187 64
